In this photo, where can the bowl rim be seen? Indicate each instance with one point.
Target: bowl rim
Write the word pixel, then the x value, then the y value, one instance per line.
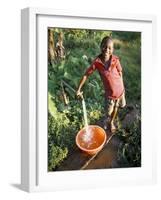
pixel 91 150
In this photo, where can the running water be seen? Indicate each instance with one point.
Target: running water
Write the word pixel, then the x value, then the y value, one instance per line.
pixel 88 134
pixel 85 114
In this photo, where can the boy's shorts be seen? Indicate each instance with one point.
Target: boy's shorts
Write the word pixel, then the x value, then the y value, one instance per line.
pixel 110 104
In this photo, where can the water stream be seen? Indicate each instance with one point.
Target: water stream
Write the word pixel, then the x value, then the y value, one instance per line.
pixel 88 134
pixel 85 114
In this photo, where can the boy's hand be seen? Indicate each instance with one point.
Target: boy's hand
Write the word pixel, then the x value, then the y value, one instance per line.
pixel 79 94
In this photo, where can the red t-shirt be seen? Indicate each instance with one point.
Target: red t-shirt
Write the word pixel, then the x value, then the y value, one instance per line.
pixel 112 81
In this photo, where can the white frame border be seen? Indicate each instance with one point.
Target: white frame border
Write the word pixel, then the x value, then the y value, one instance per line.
pixel 29 86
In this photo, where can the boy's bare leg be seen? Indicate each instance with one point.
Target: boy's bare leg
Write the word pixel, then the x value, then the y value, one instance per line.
pixel 113 116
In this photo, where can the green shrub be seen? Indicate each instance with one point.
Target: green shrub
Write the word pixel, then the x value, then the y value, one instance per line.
pixel 56 155
pixel 130 151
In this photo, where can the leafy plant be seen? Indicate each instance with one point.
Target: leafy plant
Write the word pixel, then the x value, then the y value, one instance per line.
pixel 56 155
pixel 130 151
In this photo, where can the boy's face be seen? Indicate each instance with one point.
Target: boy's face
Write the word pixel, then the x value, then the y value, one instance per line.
pixel 107 49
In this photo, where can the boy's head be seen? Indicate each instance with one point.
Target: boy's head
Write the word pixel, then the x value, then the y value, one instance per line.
pixel 107 46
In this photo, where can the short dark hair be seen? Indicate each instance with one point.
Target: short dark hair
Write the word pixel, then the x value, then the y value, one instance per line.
pixel 105 40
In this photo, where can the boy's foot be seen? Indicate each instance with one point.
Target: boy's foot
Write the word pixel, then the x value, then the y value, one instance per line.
pixel 106 125
pixel 112 128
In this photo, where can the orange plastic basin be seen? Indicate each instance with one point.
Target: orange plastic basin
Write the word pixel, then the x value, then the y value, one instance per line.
pixel 91 139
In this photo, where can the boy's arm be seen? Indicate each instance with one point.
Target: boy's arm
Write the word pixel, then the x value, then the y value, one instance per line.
pixel 88 72
pixel 120 73
pixel 119 68
pixel 83 80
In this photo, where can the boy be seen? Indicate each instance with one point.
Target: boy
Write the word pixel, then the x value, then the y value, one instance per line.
pixel 110 71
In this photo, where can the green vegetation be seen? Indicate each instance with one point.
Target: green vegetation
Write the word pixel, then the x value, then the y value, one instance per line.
pixel 65 119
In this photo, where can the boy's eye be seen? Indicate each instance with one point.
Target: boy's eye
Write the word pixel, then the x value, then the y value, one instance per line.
pixel 107 48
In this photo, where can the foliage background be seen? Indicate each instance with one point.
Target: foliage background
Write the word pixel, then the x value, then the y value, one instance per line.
pixel 64 121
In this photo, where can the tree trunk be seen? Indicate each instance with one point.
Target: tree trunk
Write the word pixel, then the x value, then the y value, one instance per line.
pixel 51 46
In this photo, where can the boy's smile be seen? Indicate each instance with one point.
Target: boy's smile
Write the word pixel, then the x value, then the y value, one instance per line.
pixel 107 49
